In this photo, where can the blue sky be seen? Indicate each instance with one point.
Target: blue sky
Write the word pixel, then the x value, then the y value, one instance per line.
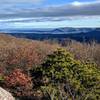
pixel 15 14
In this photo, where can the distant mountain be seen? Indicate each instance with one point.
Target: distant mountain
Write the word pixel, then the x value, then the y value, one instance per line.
pixel 77 30
pixel 65 30
pixel 79 34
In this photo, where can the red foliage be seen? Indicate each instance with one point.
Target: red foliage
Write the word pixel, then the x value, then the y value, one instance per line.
pixel 18 83
pixel 17 78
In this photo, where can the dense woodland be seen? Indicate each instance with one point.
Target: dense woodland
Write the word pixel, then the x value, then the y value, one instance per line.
pixel 48 70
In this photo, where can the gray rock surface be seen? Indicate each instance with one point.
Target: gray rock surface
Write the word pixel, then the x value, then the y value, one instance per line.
pixel 4 95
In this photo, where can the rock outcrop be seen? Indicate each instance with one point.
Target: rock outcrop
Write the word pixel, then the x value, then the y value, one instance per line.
pixel 4 95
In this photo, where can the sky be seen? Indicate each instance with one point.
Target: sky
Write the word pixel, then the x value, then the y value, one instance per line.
pixel 18 14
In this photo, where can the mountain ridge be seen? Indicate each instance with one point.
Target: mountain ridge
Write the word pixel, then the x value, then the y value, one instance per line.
pixel 79 34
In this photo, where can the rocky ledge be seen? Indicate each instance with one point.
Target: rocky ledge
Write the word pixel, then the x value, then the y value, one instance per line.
pixel 4 95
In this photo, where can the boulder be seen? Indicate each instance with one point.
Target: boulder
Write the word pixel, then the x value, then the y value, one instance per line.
pixel 4 95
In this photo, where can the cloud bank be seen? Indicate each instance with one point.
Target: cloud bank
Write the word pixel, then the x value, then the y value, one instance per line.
pixel 33 13
pixel 72 9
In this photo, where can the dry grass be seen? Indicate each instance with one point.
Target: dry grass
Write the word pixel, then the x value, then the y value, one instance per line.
pixel 22 53
pixel 85 51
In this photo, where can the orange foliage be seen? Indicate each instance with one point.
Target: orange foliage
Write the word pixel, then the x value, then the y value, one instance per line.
pixel 17 78
pixel 18 83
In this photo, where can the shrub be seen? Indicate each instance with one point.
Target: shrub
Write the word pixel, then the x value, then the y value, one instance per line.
pixel 19 83
pixel 76 78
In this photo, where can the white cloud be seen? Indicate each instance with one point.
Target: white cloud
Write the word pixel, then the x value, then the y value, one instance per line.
pixel 76 3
